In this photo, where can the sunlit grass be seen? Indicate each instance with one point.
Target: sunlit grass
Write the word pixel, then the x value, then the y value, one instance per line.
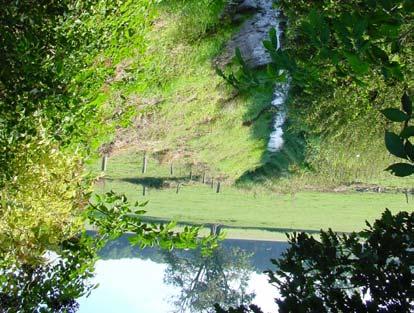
pixel 254 211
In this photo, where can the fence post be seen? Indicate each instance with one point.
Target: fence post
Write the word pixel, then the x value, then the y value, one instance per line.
pixel 204 177
pixel 191 173
pixel 104 162
pixel 178 188
pixel 212 183
pixel 218 187
pixel 144 163
pixel 144 190
pixel 171 169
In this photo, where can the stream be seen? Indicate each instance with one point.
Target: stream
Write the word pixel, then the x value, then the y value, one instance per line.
pixel 249 40
pixel 279 102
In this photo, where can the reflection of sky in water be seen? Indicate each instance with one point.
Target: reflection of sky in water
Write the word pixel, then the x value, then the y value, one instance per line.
pixel 128 285
pixel 136 285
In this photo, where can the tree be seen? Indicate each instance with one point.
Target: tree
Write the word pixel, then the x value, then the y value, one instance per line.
pixel 51 286
pixel 220 277
pixel 369 271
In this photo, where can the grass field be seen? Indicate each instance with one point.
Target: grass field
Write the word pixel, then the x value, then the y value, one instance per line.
pixel 250 214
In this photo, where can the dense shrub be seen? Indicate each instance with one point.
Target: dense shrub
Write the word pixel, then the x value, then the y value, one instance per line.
pixel 370 271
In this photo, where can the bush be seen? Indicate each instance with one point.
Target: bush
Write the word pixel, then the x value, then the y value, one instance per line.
pixel 370 271
pixel 41 202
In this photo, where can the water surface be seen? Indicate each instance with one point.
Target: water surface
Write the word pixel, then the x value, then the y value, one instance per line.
pixel 151 280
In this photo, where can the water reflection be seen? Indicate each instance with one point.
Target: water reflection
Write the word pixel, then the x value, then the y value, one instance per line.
pixel 150 280
pixel 204 280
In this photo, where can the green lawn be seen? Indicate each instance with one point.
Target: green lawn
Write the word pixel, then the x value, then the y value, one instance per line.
pixel 247 211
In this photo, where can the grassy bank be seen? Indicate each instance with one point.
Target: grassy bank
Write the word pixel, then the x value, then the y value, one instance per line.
pixel 162 79
pixel 184 110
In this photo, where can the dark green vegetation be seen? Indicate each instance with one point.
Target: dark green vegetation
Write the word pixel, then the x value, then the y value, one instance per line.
pixel 74 72
pixel 355 59
pixel 53 285
pixel 369 271
pixel 340 271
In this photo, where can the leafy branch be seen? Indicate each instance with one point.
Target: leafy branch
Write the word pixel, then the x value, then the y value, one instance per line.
pixel 400 145
pixel 113 216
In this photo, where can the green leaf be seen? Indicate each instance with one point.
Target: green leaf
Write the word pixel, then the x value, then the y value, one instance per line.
pixel 273 37
pixel 409 150
pixel 358 66
pixel 406 103
pixel 380 54
pixel 395 145
pixel 269 45
pixel 395 46
pixel 407 132
pixel 394 115
pixel 142 204
pixel 401 169
pixel 394 70
pixel 408 6
pixel 238 55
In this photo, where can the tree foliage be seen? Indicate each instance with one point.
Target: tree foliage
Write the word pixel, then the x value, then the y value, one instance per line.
pixel 53 113
pixel 370 271
pixel 400 145
pixel 40 206
pixel 337 42
pixel 347 60
pixel 220 277
pixel 53 285
pixel 113 215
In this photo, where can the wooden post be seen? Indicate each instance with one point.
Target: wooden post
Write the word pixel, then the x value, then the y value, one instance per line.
pixel 406 195
pixel 178 188
pixel 171 169
pixel 215 229
pixel 191 173
pixel 218 187
pixel 104 162
pixel 144 190
pixel 204 177
pixel 212 183
pixel 144 163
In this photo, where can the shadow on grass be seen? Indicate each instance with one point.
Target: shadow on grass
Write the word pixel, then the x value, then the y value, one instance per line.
pixel 150 219
pixel 273 164
pixel 158 182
